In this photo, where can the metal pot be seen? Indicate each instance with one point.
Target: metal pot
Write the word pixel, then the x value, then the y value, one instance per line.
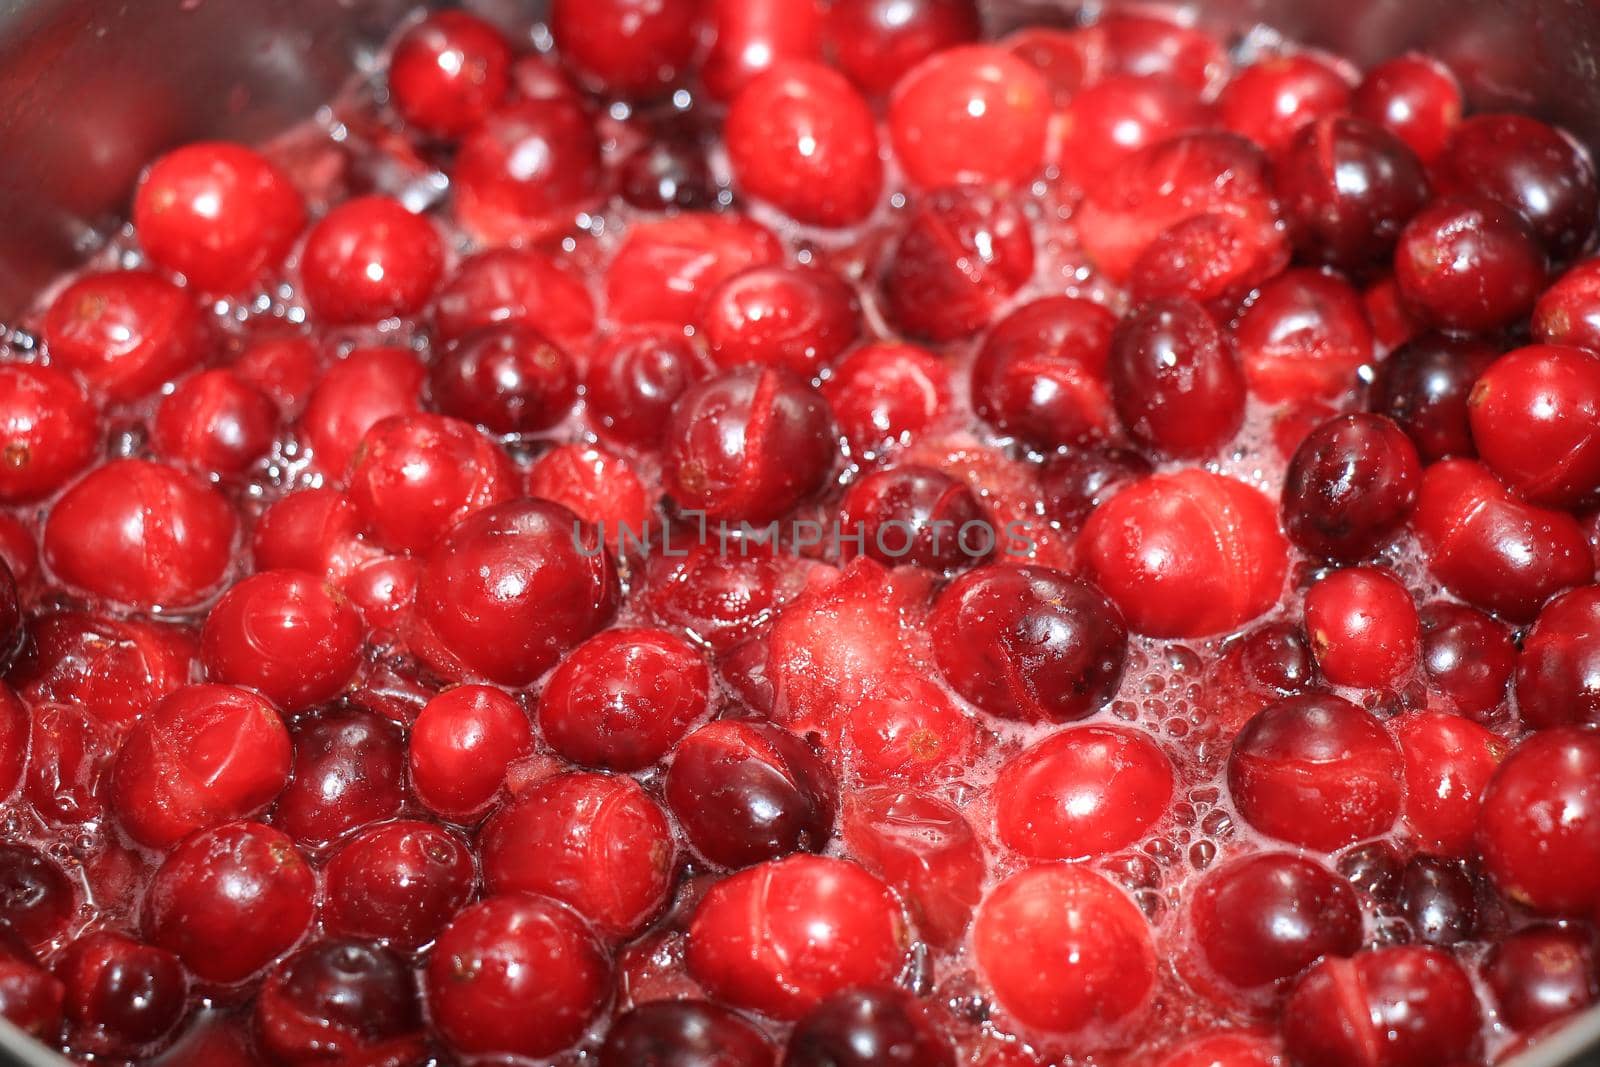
pixel 90 90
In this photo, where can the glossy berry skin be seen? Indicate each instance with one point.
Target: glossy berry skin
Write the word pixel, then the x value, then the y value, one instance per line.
pixel 802 138
pixel 349 772
pixel 1535 416
pixel 30 996
pixel 1305 336
pixel 1075 482
pixel 1082 792
pixel 875 42
pixel 527 169
pixel 339 998
pixel 41 898
pixel 460 747
pixel 507 379
pixel 744 792
pixel 873 1027
pixel 1416 98
pixel 626 48
pixel 1541 974
pixel 1491 549
pixel 515 975
pixel 220 214
pixel 748 444
pixel 1467 656
pixel 1424 386
pixel 1315 771
pixel 1215 258
pixel 911 515
pixel 1029 643
pixel 967 95
pixel 1469 263
pixel 911 731
pixel 1176 381
pixel 886 393
pixel 926 850
pixel 667 174
pixel 1350 487
pixel 634 377
pixel 1063 950
pixel 1568 312
pixel 780 937
pixel 1438 900
pixel 684 1033
pixel 601 488
pixel 1109 120
pixel 214 422
pixel 69 753
pixel 665 267
pixel 962 253
pixel 399 882
pixel 118 667
pixel 1539 828
pixel 366 387
pixel 1448 763
pixel 1558 669
pixel 515 287
pixel 793 319
pixel 1363 627
pixel 122 997
pixel 286 635
pixel 1265 917
pixel 370 259
pixel 124 332
pixel 229 900
pixel 517 570
pixel 48 431
pixel 447 71
pixel 1226 1048
pixel 1273 98
pixel 753 36
pixel 623 699
pixel 1041 373
pixel 1144 548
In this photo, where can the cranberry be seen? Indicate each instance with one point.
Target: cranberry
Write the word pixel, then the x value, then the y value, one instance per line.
pixel 626 47
pixel 283 367
pixel 1542 974
pixel 666 174
pixel 1539 827
pixel 48 431
pixel 370 259
pixel 1388 1007
pixel 122 997
pixel 780 937
pixel 1568 313
pixel 383 591
pixel 1469 263
pixel 887 392
pixel 1393 324
pixel 338 999
pixel 1424 386
pixel 875 42
pixel 1273 98
pixel 684 1033
pixel 527 170
pixel 1315 771
pixel 400 882
pixel 1041 373
pixel 1075 482
pixel 1175 380
pixel 962 253
pixel 1082 792
pixel 1186 554
pixel 1105 123
pixel 415 476
pixel 1363 627
pixel 515 975
pixel 1491 549
pixel 1063 949
pixel 229 900
pixel 1468 657
pixel 30 996
pixel 1153 45
pixel 69 759
pixel 1225 1048
pixel 967 95
pixel 753 36
pixel 600 487
pixel 507 379
pixel 902 515
pixel 1558 669
pixel 926 850
pixel 877 1026
pixel 214 422
pixel 911 731
pixel 117 667
pixel 1350 487
pixel 447 71
pixel 1304 337
pixel 36 895
pixel 523 570
pixel 1437 899
pixel 1068 60
pixel 124 332
pixel 1535 416
pixel 366 387
pixel 665 267
pixel 1214 258
pixel 313 530
pixel 633 378
pixel 718 598
pixel 1416 98
pixel 460 747
pixel 349 768
pixel 784 317
pixel 516 287
pixel 286 635
pixel 18 551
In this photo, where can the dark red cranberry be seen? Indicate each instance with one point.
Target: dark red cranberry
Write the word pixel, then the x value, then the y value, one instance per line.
pixel 1424 386
pixel 285 634
pixel 124 332
pixel 1467 655
pixel 12 625
pixel 1363 627
pixel 1416 98
pixel 684 1033
pixel 1274 98
pixel 1272 660
pixel 122 997
pixel 1437 899
pixel 799 320
pixel 37 898
pixel 886 392
pixel 667 174
pixel 877 41
pixel 1106 122
pixel 515 286
pixel 1176 380
pixel 228 901
pixel 630 48
pixel 753 36
pixel 1373 868
pixel 1215 258
pixel 349 771
pixel 1075 482
pixel 876 1026
pixel 912 514
pixel 1535 415
pixel 30 996
pixel 370 259
pixel 399 882
pixel 1542 804
pixel 117 667
pixel 214 422
pixel 1542 974
pixel 1569 311
pixel 1041 373
pixel 1350 487
pixel 665 267
pixel 70 752
pixel 926 850
pixel 527 170
pixel 447 71
pixel 339 999
pixel 635 376
pixel 1469 263
pixel 460 747
pixel 967 95
pixel 363 389
pixel 48 431
pixel 1305 336
pixel 962 253
pixel 507 379
pixel 1558 669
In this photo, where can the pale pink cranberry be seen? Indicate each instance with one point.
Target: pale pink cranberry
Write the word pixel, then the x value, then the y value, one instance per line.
pixel 1041 373
pixel 399 882
pixel 1304 337
pixel 1448 763
pixel 750 37
pixel 926 850
pixel 1558 668
pixel 965 96
pixel 887 392
pixel 447 71
pixel 1541 804
pixel 627 48
pixel 793 319
pixel 340 998
pixel 460 747
pixel 911 733
pixel 1416 98
pixel 508 379
pixel 122 997
pixel 1535 416
pixel 1363 627
pixel 633 378
pixel 600 487
pixel 124 333
pixel 1106 122
pixel 370 259
pixel 876 41
pixel 1176 381
pixel 359 391
pixel 527 170
pixel 118 667
pixel 962 254
pixel 214 422
pixel 665 267
pixel 49 431
pixel 1469 263
pixel 1270 100
pixel 519 287
pixel 285 634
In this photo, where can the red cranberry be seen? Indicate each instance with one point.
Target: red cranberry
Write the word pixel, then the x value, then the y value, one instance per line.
pixel 1448 763
pixel 964 96
pixel 1491 549
pixel 875 42
pixel 753 36
pixel 339 999
pixel 17 721
pixel 1424 386
pixel 447 71
pixel 525 571
pixel 803 139
pixel 1041 373
pixel 507 379
pixel 515 975
pixel 286 635
pixel 1437 899
pixel 36 895
pixel 1187 554
pixel 1273 98
pixel 30 996
pixel 1539 827
pixel 1393 324
pixel 229 900
pixel 205 755
pixel 383 591
pixel 416 476
pixel 633 378
pixel 912 514
pixel 18 550
pixel 1241 1048
pixel 214 422
pixel 1569 311
pixel 363 389
pixel 124 332
pixel 665 267
pixel 1063 949
pixel 876 1026
pixel 1469 263
pixel 1349 487
pixel 911 731
pixel 1315 771
pixel 349 771
pixel 887 392
pixel 1175 379
pixel 313 530
pixel 1468 657
pixel 1075 482
pixel 515 286
pixel 780 937
pixel 117 667
pixel 461 745
pixel 399 882
pixel 1068 60
pixel 1105 123
pixel 69 760
pixel 962 254
pixel 370 259
pixel 926 850
pixel 662 175
pixel 1154 45
pixel 281 367
pixel 684 1033
pixel 1416 98
pixel 1082 792
pixel 1542 974
pixel 1535 416
pixel 1304 337
pixel 1558 669
pixel 599 487
pixel 626 48
pixel 1388 1007
pixel 527 170
pixel 48 431
pixel 1215 258
pixel 718 598
pixel 122 997
pixel 1363 627
pixel 784 317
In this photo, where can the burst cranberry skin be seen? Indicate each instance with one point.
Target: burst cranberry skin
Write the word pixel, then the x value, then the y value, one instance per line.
pixel 779 937
pixel 369 259
pixel 69 753
pixel 1144 548
pixel 665 267
pixel 349 771
pixel 515 975
pixel 124 332
pixel 963 253
pixel 1363 627
pixel 1176 381
pixel 1535 416
pixel 1390 1007
pixel 910 514
pixel 118 667
pixel 527 169
pixel 880 1026
pixel 967 95
pixel 122 997
pixel 312 530
pixel 1041 373
pixel 1304 337
pixel 1106 122
pixel 926 850
pixel 753 36
pixel 41 899
pixel 460 747
pixel 447 71
pixel 214 422
pixel 1558 669
pixel 1215 258
pixel 1469 263
pixel 1029 643
pixel 363 389
pixel 1491 549
pixel 1448 764
pixel 875 42
pixel 803 139
pixel 1315 771
pixel 1349 487
pixel 1064 951
pixel 1272 99
pixel 1539 827
pixel 205 755
pixel 524 571
pixel 684 1033
pixel 887 392
pixel 1425 385
pixel 1416 98
pixel 799 320
pixel 507 379
pixel 48 431
pixel 633 378
pixel 518 287
pixel 229 900
pixel 600 487
pixel 339 999
pixel 285 634
pixel 627 48
pixel 1082 792
pixel 399 882
pixel 749 443
pixel 1468 657
pixel 1542 974
pixel 717 598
